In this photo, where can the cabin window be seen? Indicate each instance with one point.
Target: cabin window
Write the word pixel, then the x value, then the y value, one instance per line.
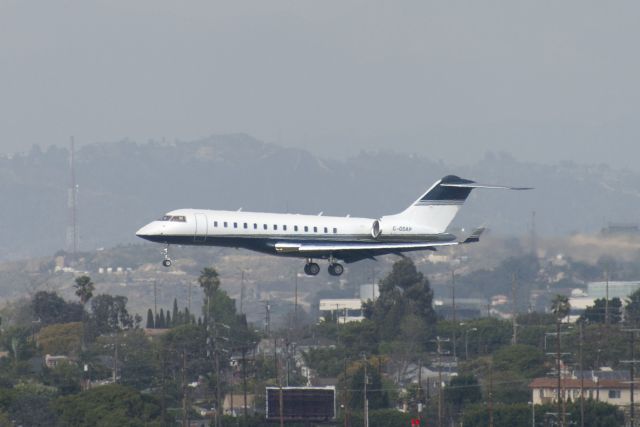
pixel 284 227
pixel 326 230
pixel 235 225
pixel 264 226
pixel 295 228
pixel 225 224
pixel 275 226
pixel 335 230
pixel 245 225
pixel 315 229
pixel 255 226
pixel 306 228
pixel 215 223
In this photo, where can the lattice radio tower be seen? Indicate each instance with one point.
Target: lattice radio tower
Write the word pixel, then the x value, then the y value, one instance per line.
pixel 72 204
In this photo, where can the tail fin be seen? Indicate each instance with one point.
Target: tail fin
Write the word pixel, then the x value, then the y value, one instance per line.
pixel 437 208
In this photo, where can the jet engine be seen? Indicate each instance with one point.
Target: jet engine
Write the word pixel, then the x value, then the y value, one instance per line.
pixel 375 229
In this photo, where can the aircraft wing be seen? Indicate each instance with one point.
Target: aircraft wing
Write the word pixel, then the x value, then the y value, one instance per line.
pixel 348 249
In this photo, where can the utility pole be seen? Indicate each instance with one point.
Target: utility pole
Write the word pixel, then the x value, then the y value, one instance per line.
pixel 440 352
pixel 514 308
pixel 453 306
pixel 582 376
pixel 155 302
pixel 558 373
pixel 345 398
pixel 491 394
pixel 242 293
pixel 244 380
pixel 366 401
pixel 185 407
pixel 419 405
pixel 115 358
pixel 606 302
pixel 632 362
pixel 295 306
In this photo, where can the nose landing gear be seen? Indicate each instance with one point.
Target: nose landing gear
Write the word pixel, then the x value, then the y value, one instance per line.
pixel 167 260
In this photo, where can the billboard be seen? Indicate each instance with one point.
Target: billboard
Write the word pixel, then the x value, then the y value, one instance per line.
pixel 301 403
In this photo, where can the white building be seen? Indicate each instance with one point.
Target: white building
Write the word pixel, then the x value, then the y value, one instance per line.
pixel 346 310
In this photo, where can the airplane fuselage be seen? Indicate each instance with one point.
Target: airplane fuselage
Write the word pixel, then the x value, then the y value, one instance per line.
pixel 269 232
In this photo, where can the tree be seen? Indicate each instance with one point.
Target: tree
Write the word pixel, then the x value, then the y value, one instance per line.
pixel 632 309
pixel 463 390
pixel 49 308
pixel 84 289
pixel 176 313
pixel 404 291
pixel 597 312
pixel 377 396
pixel 112 405
pixel 62 338
pixel 560 307
pixel 209 281
pixel 524 359
pixel 163 323
pixel 150 322
pixel 109 314
pixel 168 320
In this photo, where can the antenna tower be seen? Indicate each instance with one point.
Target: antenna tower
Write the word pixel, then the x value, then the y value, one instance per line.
pixel 72 203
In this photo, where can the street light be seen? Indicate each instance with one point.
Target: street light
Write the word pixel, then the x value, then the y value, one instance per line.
pixel 533 413
pixel 466 342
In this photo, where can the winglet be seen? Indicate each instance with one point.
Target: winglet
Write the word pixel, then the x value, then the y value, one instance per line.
pixel 475 236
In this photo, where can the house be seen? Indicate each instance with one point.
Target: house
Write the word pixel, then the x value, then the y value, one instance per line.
pixel 234 404
pixel 613 391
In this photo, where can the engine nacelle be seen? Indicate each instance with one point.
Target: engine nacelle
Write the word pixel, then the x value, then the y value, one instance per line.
pixel 375 229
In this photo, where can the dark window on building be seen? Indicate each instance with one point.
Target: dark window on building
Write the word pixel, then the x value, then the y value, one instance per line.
pixel 326 230
pixel 275 226
pixel 245 225
pixel 614 394
pixel 235 225
pixel 264 226
pixel 255 226
pixel 215 223
pixel 284 227
pixel 295 228
pixel 225 224
pixel 315 229
pixel 335 230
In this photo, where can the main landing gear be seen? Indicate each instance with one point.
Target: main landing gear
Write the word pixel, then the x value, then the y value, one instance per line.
pixel 312 269
pixel 167 260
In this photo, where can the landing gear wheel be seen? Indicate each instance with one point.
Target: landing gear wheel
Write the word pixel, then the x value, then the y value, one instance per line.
pixel 166 262
pixel 311 269
pixel 336 269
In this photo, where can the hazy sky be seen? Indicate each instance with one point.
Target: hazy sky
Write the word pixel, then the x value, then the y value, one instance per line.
pixel 544 80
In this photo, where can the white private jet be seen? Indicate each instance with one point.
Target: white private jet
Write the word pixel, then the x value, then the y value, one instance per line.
pixel 422 226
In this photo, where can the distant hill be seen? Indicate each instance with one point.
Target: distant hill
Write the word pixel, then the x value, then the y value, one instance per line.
pixel 123 185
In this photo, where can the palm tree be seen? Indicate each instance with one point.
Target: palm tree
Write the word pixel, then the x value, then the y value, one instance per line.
pixel 209 281
pixel 84 290
pixel 560 307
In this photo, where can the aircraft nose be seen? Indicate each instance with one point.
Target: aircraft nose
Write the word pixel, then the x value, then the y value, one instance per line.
pixel 146 231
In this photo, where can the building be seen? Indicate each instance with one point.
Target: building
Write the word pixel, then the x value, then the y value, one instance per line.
pixel 345 310
pixel 53 361
pixel 616 289
pixel 605 386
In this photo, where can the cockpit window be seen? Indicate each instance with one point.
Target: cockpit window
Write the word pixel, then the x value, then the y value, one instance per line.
pixel 166 218
pixel 179 218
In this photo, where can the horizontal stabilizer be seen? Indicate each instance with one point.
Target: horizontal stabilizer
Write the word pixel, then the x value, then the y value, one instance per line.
pixel 474 185
pixel 475 236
